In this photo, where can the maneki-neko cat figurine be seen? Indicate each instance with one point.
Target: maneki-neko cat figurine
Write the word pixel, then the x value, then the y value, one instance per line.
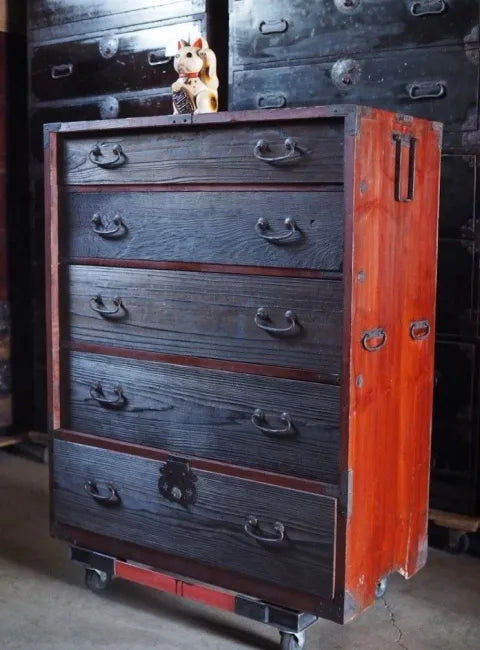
pixel 196 90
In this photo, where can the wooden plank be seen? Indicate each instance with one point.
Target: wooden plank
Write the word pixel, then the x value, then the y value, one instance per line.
pixel 454 521
pixel 8 441
pixel 211 529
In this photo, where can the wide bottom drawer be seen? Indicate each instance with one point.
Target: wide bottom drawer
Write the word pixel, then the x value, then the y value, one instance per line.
pixel 277 535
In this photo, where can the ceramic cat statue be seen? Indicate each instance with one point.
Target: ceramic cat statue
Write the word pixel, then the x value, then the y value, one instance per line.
pixel 196 90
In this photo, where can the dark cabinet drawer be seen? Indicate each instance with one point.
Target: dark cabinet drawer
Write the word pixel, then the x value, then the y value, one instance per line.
pixel 289 30
pixel 215 529
pixel 438 84
pixel 207 227
pixel 210 315
pixel 208 413
pixel 145 104
pixel 51 19
pixel 313 153
pixel 458 197
pixel 127 61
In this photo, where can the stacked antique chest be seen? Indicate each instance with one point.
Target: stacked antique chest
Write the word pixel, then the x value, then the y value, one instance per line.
pixel 420 57
pixel 241 319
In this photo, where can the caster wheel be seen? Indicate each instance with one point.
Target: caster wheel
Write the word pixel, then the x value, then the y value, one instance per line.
pixel 97 581
pixel 292 641
pixel 381 588
pixel 458 543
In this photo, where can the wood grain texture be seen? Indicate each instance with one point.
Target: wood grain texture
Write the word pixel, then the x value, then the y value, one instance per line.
pixel 207 414
pixel 219 156
pixel 390 408
pixel 207 227
pixel 209 315
pixel 211 530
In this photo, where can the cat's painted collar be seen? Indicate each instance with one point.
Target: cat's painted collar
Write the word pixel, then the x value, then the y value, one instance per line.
pixel 188 75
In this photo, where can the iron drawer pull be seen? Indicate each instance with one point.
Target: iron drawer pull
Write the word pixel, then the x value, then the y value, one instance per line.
pixel 119 157
pixel 262 316
pixel 154 59
pixel 252 528
pixel 259 419
pixel 273 26
pixel 120 227
pixel 426 90
pixel 420 330
pixel 96 393
pixel 262 226
pixel 97 305
pixel 111 498
pixel 291 146
pixel 368 339
pixel 61 71
pixel 428 8
pixel 271 101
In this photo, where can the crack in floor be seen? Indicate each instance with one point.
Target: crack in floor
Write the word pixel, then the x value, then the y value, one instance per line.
pixel 394 623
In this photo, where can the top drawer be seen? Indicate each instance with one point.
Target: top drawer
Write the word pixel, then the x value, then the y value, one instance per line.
pixel 282 152
pixel 265 32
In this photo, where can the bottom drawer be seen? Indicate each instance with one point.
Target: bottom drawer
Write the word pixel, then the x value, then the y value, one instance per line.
pixel 123 496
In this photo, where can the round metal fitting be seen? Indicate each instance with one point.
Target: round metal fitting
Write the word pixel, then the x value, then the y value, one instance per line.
pixel 346 73
pixel 108 46
pixel 109 108
pixel 347 6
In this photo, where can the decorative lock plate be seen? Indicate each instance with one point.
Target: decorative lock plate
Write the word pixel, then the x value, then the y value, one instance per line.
pixel 177 482
pixel 346 73
pixel 108 46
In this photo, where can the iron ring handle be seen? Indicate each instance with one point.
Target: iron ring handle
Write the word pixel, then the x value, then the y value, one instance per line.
pixel 420 330
pixel 153 62
pixel 259 417
pixel 96 393
pixel 117 220
pixel 426 94
pixel 372 335
pixel 111 498
pixel 262 147
pixel 252 528
pixel 119 159
pixel 97 302
pixel 61 71
pixel 428 8
pixel 273 26
pixel 263 225
pixel 271 101
pixel 262 315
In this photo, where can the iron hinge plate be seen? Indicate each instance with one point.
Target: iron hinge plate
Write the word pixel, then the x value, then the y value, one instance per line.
pixel 346 493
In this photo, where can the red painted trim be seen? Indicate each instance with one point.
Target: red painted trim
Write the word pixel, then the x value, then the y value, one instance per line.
pixel 198 362
pixel 246 473
pixel 145 577
pixel 205 268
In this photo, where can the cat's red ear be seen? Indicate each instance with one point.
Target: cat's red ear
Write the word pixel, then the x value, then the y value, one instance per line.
pixel 200 42
pixel 182 43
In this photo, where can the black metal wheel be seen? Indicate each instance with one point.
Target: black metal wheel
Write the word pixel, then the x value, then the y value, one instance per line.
pixel 381 588
pixel 458 543
pixel 292 641
pixel 97 581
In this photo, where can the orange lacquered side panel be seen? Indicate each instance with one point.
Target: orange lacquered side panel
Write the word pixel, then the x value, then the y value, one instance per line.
pixel 393 285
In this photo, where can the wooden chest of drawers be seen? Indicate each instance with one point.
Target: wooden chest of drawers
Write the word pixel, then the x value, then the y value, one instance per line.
pixel 241 319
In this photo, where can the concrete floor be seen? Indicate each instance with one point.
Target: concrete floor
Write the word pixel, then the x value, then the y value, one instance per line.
pixel 44 605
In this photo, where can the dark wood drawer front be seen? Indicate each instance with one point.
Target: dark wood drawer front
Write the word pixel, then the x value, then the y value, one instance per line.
pixel 288 30
pixel 64 18
pixel 134 60
pixel 208 227
pixel 443 87
pixel 212 530
pixel 210 315
pixel 212 155
pixel 119 106
pixel 208 414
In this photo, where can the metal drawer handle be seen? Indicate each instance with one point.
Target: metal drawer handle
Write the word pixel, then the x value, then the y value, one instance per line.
pixel 271 101
pixel 428 8
pixel 291 147
pixel 273 26
pixel 96 393
pixel 97 305
pixel 374 340
pixel 253 529
pixel 158 58
pixel 61 71
pixel 259 419
pixel 427 90
pixel 263 226
pixel 262 317
pixel 112 498
pixel 113 233
pixel 117 161
pixel 420 330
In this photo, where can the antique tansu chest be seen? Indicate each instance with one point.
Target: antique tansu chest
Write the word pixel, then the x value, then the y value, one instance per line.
pixel 241 334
